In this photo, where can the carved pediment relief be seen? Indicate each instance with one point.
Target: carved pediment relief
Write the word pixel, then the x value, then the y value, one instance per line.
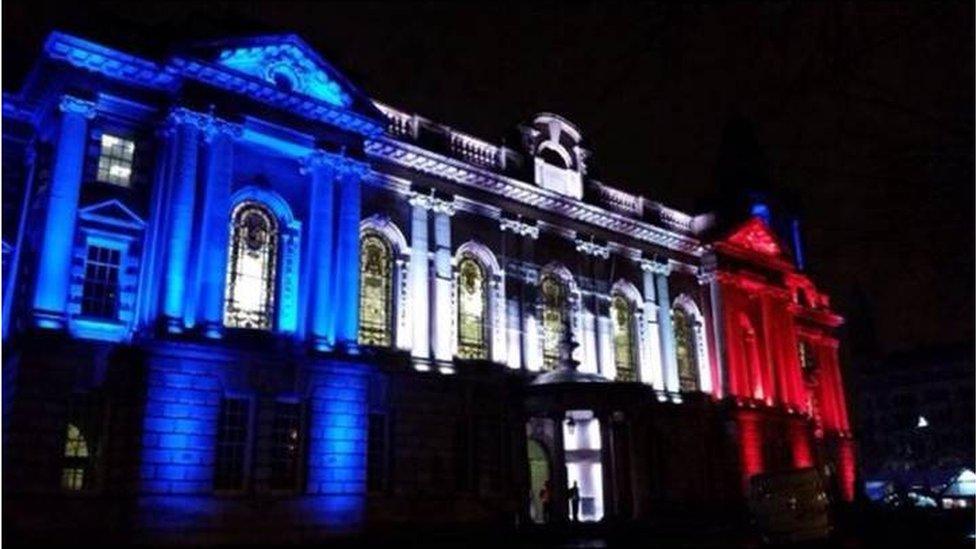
pixel 290 65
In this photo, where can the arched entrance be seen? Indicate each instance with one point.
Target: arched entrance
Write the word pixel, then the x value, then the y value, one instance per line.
pixel 538 476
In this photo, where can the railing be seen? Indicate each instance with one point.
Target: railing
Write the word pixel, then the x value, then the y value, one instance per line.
pixel 620 200
pixel 474 150
pixel 400 123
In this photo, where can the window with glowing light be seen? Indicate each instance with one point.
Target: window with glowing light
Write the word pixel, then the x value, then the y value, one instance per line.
pixel 251 268
pixel 80 445
pixel 553 313
pixel 684 349
pixel 375 291
pixel 115 160
pixel 472 309
pixel 622 315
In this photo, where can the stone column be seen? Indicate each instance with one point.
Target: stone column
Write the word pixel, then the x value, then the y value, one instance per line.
pixel 715 329
pixel 523 346
pixel 316 307
pixel 596 331
pixel 218 172
pixel 419 302
pixel 653 372
pixel 54 266
pixel 185 141
pixel 346 280
pixel 669 365
pixel 442 325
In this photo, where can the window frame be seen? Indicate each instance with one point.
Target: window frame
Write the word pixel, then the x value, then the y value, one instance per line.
pixel 633 366
pixel 550 360
pixel 271 269
pixel 300 458
pixel 390 279
pixel 110 158
pixel 689 322
pixel 482 351
pixel 246 446
pixel 112 246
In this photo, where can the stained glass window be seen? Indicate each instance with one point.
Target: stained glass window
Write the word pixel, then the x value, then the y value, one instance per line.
pixel 622 315
pixel 472 309
pixel 115 160
pixel 684 346
pixel 251 268
pixel 375 291
pixel 553 311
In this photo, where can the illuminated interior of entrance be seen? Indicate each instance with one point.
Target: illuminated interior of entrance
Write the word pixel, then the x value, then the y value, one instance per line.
pixel 538 475
pixel 581 445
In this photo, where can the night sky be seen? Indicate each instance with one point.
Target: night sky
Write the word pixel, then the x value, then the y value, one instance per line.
pixel 862 114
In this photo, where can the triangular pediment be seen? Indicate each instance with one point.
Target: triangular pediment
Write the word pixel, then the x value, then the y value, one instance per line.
pixel 112 212
pixel 284 70
pixel 289 64
pixel 754 235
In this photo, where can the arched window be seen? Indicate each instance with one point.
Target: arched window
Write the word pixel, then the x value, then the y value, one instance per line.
pixel 472 309
pixel 685 349
pixel 375 291
pixel 553 321
pixel 622 315
pixel 249 298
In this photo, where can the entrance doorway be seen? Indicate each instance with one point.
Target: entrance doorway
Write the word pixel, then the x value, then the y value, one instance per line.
pixel 538 476
pixel 584 468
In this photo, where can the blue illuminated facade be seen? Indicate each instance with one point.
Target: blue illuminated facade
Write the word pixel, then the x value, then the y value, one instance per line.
pixel 186 286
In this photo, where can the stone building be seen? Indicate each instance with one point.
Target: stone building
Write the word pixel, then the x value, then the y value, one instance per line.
pixel 244 301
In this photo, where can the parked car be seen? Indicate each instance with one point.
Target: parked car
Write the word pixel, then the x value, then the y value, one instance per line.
pixel 790 506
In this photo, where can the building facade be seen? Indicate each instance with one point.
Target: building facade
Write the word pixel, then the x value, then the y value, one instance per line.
pixel 244 300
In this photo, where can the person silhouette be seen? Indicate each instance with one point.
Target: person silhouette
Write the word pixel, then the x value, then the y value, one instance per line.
pixel 574 500
pixel 545 496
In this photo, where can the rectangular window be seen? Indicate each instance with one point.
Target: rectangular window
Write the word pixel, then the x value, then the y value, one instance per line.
pixel 376 453
pixel 286 445
pixel 231 444
pixel 115 160
pixel 81 438
pixel 100 295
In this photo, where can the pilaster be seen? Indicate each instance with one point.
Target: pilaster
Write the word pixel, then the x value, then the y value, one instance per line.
pixel 54 268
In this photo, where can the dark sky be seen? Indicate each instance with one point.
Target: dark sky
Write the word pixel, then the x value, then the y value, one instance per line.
pixel 864 113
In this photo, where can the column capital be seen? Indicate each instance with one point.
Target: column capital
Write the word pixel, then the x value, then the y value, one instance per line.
pixel 73 105
pixel 430 202
pixel 519 227
pixel 706 275
pixel 592 248
pixel 342 164
pixel 209 125
pixel 214 127
pixel 656 266
pixel 445 207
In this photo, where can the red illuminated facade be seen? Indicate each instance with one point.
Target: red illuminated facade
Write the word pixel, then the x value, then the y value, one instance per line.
pixel 781 354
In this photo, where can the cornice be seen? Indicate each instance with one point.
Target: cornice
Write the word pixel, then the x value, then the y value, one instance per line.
pixel 428 162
